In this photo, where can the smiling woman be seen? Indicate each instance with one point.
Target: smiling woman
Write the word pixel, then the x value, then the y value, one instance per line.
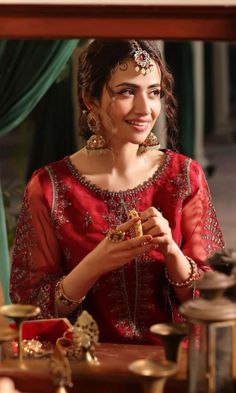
pixel 75 246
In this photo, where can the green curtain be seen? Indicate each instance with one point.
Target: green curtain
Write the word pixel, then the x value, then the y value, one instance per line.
pixel 4 255
pixel 27 70
pixel 52 123
pixel 179 57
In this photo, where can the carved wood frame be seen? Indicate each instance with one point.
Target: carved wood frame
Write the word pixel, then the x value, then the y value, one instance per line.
pixel 146 21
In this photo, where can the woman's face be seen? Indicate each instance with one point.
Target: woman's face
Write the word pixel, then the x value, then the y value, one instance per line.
pixel 130 104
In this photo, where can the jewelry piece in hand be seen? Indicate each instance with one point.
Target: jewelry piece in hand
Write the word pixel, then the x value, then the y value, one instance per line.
pixel 116 236
pixel 137 229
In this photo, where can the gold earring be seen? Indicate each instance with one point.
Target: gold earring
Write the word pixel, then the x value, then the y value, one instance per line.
pixel 96 143
pixel 150 143
pixel 93 122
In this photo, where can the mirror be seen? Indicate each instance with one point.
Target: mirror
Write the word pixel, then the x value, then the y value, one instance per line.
pixel 181 21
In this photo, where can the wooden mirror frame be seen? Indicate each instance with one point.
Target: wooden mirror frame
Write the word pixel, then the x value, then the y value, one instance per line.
pixel 178 22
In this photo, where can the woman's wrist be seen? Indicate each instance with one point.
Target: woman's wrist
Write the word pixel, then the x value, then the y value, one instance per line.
pixel 193 275
pixel 92 265
pixel 80 280
pixel 62 297
pixel 173 252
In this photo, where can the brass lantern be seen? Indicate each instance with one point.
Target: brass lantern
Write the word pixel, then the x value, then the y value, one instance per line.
pixel 224 261
pixel 212 336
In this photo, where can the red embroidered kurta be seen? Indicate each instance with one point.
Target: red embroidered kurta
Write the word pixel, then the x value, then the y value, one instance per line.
pixel 63 218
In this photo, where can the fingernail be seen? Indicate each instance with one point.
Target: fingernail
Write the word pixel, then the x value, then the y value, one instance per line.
pixel 137 219
pixel 149 239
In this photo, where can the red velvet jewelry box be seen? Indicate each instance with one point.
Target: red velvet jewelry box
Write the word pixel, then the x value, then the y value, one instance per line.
pixel 45 329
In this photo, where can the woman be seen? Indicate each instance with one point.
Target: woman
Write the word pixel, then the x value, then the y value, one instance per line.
pixel 74 244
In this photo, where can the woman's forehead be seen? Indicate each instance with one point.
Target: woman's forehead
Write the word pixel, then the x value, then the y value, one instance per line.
pixel 125 72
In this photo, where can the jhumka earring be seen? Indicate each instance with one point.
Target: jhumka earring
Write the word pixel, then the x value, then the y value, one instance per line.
pixel 96 143
pixel 93 122
pixel 150 143
pixel 142 59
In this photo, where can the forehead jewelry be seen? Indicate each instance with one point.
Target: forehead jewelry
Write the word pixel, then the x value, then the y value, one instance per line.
pixel 141 58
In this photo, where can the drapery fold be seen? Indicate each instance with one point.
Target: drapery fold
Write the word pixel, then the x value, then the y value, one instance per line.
pixel 27 70
pixel 4 254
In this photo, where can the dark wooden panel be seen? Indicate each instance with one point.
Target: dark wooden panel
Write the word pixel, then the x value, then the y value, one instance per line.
pixel 161 22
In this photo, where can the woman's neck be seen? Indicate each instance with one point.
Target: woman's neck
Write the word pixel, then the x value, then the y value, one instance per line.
pixel 124 158
pixel 117 170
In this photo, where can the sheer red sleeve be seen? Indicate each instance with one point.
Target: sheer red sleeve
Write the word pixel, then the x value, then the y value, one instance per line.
pixel 201 233
pixel 36 257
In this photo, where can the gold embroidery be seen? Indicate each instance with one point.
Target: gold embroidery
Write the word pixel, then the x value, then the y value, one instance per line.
pixel 59 201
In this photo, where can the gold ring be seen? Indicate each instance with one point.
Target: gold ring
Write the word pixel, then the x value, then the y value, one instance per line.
pixel 116 236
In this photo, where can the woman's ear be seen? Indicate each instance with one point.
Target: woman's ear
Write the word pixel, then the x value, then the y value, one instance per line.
pixel 88 102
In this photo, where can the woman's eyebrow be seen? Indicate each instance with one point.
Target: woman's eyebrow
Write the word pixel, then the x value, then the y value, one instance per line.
pixel 134 85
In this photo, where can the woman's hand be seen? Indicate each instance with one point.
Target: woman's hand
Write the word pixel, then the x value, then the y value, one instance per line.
pixel 109 255
pixel 7 386
pixel 157 226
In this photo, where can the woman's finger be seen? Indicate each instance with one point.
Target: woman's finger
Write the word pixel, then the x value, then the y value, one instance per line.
pixel 136 242
pixel 153 222
pixel 142 249
pixel 126 226
pixel 150 212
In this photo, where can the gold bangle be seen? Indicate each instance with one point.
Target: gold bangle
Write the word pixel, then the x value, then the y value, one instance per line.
pixel 63 298
pixel 193 275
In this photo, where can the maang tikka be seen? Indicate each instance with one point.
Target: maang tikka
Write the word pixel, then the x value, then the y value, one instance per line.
pixel 96 143
pixel 142 59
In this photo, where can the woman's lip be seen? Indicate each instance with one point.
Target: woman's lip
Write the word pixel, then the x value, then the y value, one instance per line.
pixel 138 121
pixel 142 126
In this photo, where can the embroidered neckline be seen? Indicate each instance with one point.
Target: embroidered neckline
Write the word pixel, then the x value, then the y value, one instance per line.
pixel 98 190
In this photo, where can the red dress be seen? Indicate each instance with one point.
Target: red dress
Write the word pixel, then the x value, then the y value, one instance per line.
pixel 63 218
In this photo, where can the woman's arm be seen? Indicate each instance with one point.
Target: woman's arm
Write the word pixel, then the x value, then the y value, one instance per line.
pixel 200 232
pixel 36 257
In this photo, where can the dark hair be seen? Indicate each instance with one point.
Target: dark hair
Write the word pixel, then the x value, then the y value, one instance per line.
pixel 96 63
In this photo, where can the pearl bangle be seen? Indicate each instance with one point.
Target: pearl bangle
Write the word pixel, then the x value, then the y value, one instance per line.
pixel 193 275
pixel 63 298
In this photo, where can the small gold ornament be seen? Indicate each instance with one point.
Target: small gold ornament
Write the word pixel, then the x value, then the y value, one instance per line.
pixel 116 236
pixel 137 229
pixel 60 369
pixel 85 337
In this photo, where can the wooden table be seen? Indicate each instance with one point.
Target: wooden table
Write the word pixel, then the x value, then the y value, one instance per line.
pixel 110 376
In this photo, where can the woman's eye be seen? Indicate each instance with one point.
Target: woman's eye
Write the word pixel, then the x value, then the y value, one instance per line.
pixel 155 92
pixel 126 92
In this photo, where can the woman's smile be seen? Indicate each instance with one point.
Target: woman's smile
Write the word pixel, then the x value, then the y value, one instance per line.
pixel 139 125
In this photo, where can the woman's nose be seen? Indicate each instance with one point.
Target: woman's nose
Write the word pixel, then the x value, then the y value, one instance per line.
pixel 141 104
